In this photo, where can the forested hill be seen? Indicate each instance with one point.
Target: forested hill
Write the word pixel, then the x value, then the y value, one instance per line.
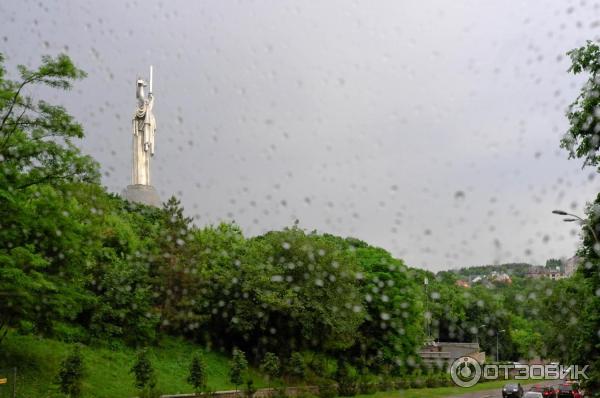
pixel 512 269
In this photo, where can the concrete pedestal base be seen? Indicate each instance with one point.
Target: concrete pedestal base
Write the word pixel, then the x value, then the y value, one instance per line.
pixel 144 194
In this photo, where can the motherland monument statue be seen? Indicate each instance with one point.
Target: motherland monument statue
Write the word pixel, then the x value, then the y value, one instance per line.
pixel 143 131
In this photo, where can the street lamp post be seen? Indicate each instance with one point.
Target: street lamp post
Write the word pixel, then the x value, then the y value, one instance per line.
pixel 427 314
pixel 498 345
pixel 577 218
pixel 477 333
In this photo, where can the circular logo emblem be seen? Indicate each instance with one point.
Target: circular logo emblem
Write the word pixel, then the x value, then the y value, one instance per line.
pixel 465 372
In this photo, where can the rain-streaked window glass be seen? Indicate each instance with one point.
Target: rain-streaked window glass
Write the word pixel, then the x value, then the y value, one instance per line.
pixel 299 198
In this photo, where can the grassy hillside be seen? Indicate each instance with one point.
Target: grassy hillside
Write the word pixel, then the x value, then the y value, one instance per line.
pixel 38 361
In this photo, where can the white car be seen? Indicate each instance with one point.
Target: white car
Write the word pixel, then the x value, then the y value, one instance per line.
pixel 533 394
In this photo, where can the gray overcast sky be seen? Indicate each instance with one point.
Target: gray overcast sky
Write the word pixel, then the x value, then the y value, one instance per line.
pixel 430 128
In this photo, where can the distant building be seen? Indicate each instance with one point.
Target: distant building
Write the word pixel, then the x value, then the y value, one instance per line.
pixel 571 265
pixel 462 283
pixel 501 277
pixel 538 272
pixel 444 354
pixel 555 274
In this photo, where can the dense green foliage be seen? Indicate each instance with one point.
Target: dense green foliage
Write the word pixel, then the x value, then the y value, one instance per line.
pixel 512 269
pixel 270 366
pixel 104 270
pixel 43 249
pixel 583 139
pixel 582 345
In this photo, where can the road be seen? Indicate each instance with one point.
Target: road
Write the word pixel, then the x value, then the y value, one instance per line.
pixel 497 392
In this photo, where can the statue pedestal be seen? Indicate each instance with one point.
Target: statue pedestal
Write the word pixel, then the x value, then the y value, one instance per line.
pixel 144 194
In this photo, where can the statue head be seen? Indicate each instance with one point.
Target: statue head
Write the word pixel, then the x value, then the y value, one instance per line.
pixel 140 89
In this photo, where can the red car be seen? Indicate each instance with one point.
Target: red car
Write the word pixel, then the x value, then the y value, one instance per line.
pixel 547 392
pixel 568 391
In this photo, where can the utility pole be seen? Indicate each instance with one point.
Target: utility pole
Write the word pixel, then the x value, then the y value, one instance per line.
pixel 427 314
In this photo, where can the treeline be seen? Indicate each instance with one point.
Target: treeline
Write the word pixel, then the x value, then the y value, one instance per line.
pixel 512 269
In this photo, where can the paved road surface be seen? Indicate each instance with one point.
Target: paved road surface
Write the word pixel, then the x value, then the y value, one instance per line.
pixel 497 392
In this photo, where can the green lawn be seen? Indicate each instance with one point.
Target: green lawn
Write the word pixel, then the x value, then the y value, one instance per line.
pixel 38 361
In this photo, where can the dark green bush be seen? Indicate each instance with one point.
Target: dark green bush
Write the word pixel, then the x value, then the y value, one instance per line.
pixel 417 382
pixel 367 385
pixel 327 391
pixel 431 381
pixel 386 384
pixel 70 333
pixel 281 392
pixel 402 384
pixel 305 393
pixel 347 379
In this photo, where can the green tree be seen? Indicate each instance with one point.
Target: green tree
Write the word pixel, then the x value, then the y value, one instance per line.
pixel 586 342
pixel 392 329
pixel 43 239
pixel 286 290
pixel 528 342
pixel 176 271
pixel 119 272
pixel 197 373
pixel 297 366
pixel 554 263
pixel 270 366
pixel 36 137
pixel 143 371
pixel 347 378
pixel 71 374
pixel 582 139
pixel 237 367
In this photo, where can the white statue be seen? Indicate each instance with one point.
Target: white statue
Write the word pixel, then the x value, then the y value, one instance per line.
pixel 144 128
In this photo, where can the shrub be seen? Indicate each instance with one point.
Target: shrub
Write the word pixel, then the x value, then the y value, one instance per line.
pixel 70 333
pixel 431 381
pixel 417 382
pixel 197 373
pixel 386 384
pixel 297 365
pixel 305 393
pixel 70 375
pixel 280 392
pixel 318 364
pixel 145 379
pixel 402 384
pixel 367 385
pixel 238 367
pixel 327 391
pixel 271 366
pixel 347 379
